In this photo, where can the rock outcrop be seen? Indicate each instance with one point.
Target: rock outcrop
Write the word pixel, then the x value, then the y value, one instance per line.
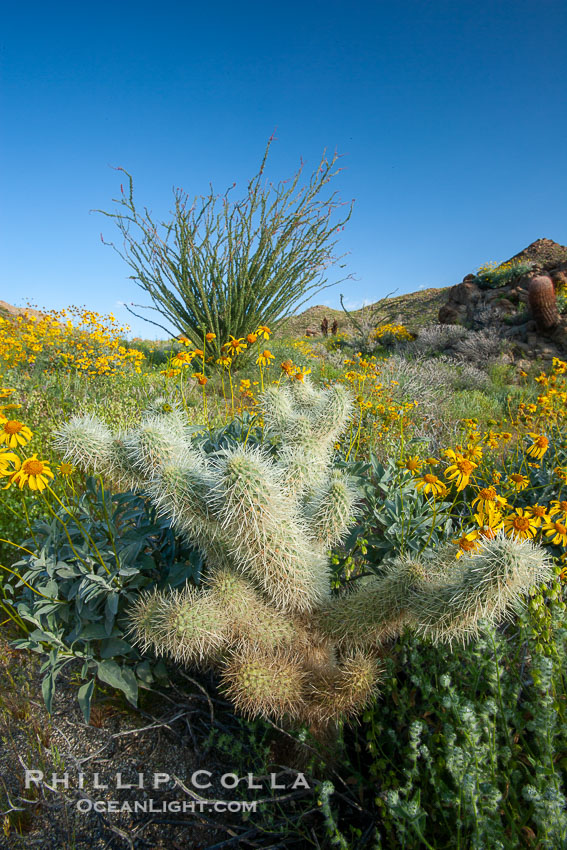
pixel 514 310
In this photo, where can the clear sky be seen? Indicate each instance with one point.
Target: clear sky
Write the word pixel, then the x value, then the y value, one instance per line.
pixel 451 116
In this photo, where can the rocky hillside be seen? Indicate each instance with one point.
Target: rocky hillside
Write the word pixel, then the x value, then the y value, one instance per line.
pixel 415 310
pixel 429 306
pixel 507 301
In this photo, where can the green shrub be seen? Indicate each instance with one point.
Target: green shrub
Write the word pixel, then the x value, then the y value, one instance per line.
pixel 88 568
pixel 468 750
pixel 493 276
pixel 472 404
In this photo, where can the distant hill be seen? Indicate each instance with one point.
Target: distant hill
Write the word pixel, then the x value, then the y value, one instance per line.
pixel 415 310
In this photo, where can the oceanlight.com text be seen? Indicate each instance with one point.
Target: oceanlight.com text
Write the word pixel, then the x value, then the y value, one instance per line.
pixel 162 806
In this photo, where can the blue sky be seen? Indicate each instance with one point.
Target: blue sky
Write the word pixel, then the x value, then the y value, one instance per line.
pixel 450 116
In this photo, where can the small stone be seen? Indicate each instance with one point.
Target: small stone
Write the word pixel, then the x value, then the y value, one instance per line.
pixel 548 353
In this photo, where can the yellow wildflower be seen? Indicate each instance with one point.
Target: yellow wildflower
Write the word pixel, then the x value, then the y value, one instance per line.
pixel 14 433
pixel 473 452
pixel 518 482
pixel 65 469
pixel 184 358
pixel 558 507
pixel 539 513
pixel 431 484
pixel 488 495
pixel 201 379
pixel 467 543
pixel 235 346
pixel 287 367
pixel 557 531
pixel 460 470
pixel 413 464
pixel 539 446
pixel 521 524
pixel 6 460
pixel 265 357
pixel 32 472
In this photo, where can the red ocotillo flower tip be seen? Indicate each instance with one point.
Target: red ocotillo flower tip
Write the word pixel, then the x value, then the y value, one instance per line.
pixel 122 188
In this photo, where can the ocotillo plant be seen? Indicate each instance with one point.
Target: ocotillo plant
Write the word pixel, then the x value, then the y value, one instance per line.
pixel 265 518
pixel 229 265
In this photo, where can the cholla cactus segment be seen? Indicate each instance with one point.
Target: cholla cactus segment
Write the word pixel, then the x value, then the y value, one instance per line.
pixel 120 467
pixel 377 610
pixel 261 684
pixel 332 508
pixel 252 621
pixel 187 626
pixel 271 545
pixel 181 490
pixel 305 396
pixel 277 404
pixel 145 618
pixel 308 422
pixel 334 412
pixel 168 407
pixel 487 584
pixel 157 441
pixel 302 412
pixel 304 470
pixel 343 691
pixel 85 441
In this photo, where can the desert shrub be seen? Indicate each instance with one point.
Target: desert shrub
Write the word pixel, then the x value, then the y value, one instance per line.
pixel 391 334
pixel 436 338
pixel 424 377
pixel 372 326
pixel 89 565
pixel 473 404
pixel 494 275
pixel 479 347
pixel 468 749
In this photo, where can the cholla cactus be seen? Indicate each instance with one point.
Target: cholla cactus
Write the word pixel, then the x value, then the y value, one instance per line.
pixel 265 618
